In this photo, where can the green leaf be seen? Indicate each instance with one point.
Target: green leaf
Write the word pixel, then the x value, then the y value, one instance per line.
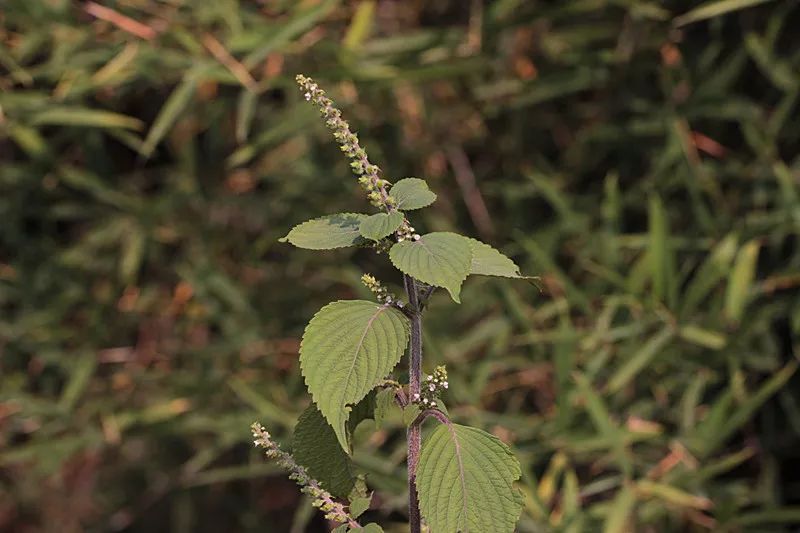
pixel 441 259
pixel 412 193
pixel 384 401
pixel 328 232
pixel 662 265
pixel 85 117
pixel 340 529
pixel 465 482
pixel 381 225
pixel 487 261
pixel 709 274
pixel 359 504
pixel 316 447
pixel 639 360
pixel 180 98
pixel 360 26
pixel 370 528
pixel 620 511
pixel 410 413
pixel 740 281
pixel 347 348
pixel 714 9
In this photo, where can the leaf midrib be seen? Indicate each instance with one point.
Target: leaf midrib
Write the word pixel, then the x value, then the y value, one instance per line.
pixel 461 476
pixel 360 344
pixel 435 257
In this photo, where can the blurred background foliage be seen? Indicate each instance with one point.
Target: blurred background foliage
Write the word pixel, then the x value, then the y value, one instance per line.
pixel 640 156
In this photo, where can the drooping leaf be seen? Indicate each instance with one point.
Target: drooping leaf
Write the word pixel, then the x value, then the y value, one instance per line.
pixel 487 261
pixel 412 193
pixel 380 225
pixel 466 482
pixel 442 259
pixel 328 232
pixel 347 348
pixel 340 529
pixel 384 401
pixel 316 447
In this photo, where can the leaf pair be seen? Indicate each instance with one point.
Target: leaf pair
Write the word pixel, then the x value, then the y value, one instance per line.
pixel 350 229
pixel 441 259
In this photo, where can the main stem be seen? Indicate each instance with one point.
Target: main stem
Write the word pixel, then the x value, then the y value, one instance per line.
pixel 414 377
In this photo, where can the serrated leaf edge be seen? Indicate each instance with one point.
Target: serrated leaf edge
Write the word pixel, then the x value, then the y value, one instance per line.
pixel 427 188
pixel 516 471
pixel 349 407
pixel 285 238
pixel 380 215
pixel 518 275
pixel 456 296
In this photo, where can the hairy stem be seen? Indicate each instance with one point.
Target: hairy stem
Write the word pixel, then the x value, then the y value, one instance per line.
pixel 414 376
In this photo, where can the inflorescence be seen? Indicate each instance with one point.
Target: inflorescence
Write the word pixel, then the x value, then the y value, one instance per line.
pixel 432 388
pixel 368 173
pixel 322 499
pixel 348 142
pixel 377 288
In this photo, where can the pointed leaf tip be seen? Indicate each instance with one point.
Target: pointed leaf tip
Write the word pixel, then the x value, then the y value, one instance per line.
pixel 487 261
pixel 347 349
pixel 327 232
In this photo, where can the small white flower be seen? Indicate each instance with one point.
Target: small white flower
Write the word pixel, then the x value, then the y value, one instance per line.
pixel 416 397
pixel 430 378
pixel 308 96
pixel 445 384
pixel 432 387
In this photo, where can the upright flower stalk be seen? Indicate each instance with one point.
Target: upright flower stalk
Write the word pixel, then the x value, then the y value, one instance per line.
pixel 372 337
pixel 368 174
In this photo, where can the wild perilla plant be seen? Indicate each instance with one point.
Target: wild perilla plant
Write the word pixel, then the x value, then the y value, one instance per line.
pixel 460 479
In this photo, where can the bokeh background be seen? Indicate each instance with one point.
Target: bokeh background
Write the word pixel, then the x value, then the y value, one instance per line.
pixel 640 156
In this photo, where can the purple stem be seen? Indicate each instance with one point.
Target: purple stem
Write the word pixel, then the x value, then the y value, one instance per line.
pixel 414 376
